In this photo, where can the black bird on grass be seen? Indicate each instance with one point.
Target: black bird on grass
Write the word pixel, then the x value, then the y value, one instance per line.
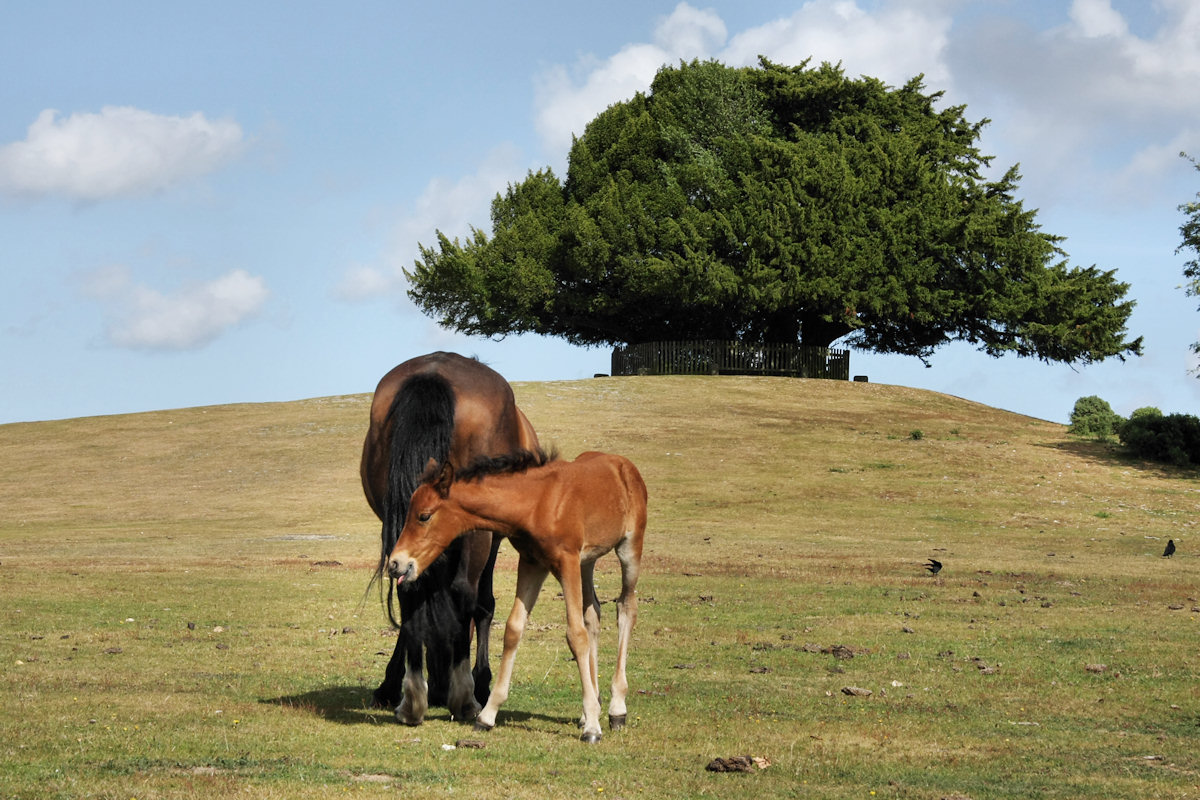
pixel 934 566
pixel 1170 551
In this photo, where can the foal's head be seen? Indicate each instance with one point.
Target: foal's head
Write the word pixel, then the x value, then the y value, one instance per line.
pixel 431 525
pixel 435 519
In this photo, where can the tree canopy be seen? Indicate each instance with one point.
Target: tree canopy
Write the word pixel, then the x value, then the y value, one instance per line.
pixel 1190 233
pixel 776 204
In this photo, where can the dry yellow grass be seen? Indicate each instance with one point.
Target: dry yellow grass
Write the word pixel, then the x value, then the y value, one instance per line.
pixel 787 516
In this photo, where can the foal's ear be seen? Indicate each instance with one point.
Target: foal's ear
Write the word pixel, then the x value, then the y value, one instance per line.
pixel 444 479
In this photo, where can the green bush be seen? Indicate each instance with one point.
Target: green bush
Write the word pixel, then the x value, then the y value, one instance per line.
pixel 1173 438
pixel 1093 416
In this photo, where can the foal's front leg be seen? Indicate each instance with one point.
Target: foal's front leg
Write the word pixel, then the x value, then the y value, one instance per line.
pixel 530 577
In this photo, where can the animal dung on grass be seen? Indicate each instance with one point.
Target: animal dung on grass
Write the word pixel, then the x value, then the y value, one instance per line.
pixel 737 764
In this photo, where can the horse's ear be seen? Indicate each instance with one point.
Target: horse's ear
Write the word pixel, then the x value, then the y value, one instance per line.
pixel 431 471
pixel 444 479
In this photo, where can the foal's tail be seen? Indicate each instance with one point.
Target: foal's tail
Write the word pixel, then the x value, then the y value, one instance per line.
pixel 422 422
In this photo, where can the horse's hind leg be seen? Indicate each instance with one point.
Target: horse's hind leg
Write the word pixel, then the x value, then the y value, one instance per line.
pixel 461 700
pixel 485 611
pixel 629 551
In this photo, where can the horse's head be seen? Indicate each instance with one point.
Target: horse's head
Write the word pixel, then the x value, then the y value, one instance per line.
pixel 433 522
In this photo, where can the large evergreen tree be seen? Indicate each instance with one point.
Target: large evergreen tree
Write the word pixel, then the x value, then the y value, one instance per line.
pixel 1190 233
pixel 776 204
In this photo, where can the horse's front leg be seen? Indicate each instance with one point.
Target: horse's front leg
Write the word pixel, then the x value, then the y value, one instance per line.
pixel 580 642
pixel 530 577
pixel 390 691
pixel 415 700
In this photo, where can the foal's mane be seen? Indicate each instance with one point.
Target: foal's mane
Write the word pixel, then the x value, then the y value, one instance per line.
pixel 507 464
pixel 518 461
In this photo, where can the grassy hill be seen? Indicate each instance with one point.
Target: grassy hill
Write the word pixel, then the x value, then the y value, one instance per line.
pixel 1054 656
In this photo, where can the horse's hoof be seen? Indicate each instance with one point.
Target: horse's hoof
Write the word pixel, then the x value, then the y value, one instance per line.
pixel 590 738
pixel 616 722
pixel 467 713
pixel 379 700
pixel 481 727
pixel 405 717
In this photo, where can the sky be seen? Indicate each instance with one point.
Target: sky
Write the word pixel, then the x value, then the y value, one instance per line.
pixel 210 203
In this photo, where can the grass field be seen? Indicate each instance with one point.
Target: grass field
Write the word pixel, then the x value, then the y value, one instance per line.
pixel 185 609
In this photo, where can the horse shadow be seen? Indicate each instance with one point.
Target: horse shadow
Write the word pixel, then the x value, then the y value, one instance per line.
pixel 351 705
pixel 345 705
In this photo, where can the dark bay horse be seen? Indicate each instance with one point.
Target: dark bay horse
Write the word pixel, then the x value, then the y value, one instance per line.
pixel 560 516
pixel 445 407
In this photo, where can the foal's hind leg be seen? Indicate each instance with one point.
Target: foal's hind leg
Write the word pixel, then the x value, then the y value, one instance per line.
pixel 591 621
pixel 629 551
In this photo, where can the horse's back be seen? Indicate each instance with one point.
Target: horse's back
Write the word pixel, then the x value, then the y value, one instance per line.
pixel 486 418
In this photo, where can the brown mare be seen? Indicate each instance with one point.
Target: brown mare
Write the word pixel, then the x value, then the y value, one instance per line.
pixel 445 407
pixel 560 517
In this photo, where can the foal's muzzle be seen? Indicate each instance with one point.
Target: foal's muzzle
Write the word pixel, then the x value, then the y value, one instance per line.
pixel 402 569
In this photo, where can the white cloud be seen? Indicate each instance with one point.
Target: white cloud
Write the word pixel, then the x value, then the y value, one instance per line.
pixel 119 151
pixel 1095 18
pixel 142 318
pixel 893 44
pixel 1090 101
pixel 449 206
pixel 566 104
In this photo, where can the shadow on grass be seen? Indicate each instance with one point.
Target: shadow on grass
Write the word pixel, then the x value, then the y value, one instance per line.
pixel 346 705
pixel 1113 454
pixel 351 705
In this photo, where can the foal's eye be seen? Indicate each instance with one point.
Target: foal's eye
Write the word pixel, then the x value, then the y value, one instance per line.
pixel 424 516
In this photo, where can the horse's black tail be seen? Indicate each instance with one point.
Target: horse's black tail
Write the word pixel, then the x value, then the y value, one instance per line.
pixel 422 420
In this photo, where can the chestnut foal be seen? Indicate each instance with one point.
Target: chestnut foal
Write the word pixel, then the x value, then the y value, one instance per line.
pixel 560 516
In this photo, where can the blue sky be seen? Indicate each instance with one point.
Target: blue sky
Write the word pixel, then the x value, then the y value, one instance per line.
pixel 212 203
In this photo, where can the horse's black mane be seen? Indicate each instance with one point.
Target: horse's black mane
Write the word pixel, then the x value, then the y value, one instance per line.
pixel 506 464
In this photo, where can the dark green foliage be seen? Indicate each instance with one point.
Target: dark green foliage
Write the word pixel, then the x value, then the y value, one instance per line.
pixel 1189 233
pixel 1172 439
pixel 1093 416
pixel 776 204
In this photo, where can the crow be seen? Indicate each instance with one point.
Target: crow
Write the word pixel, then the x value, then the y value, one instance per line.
pixel 1170 551
pixel 934 566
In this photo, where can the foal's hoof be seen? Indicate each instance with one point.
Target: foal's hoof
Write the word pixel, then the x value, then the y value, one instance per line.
pixel 590 738
pixel 481 727
pixel 616 722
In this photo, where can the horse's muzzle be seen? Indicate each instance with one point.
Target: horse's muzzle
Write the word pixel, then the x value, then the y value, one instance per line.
pixel 403 570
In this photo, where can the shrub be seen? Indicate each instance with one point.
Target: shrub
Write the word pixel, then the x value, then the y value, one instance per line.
pixel 1173 438
pixel 1093 416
